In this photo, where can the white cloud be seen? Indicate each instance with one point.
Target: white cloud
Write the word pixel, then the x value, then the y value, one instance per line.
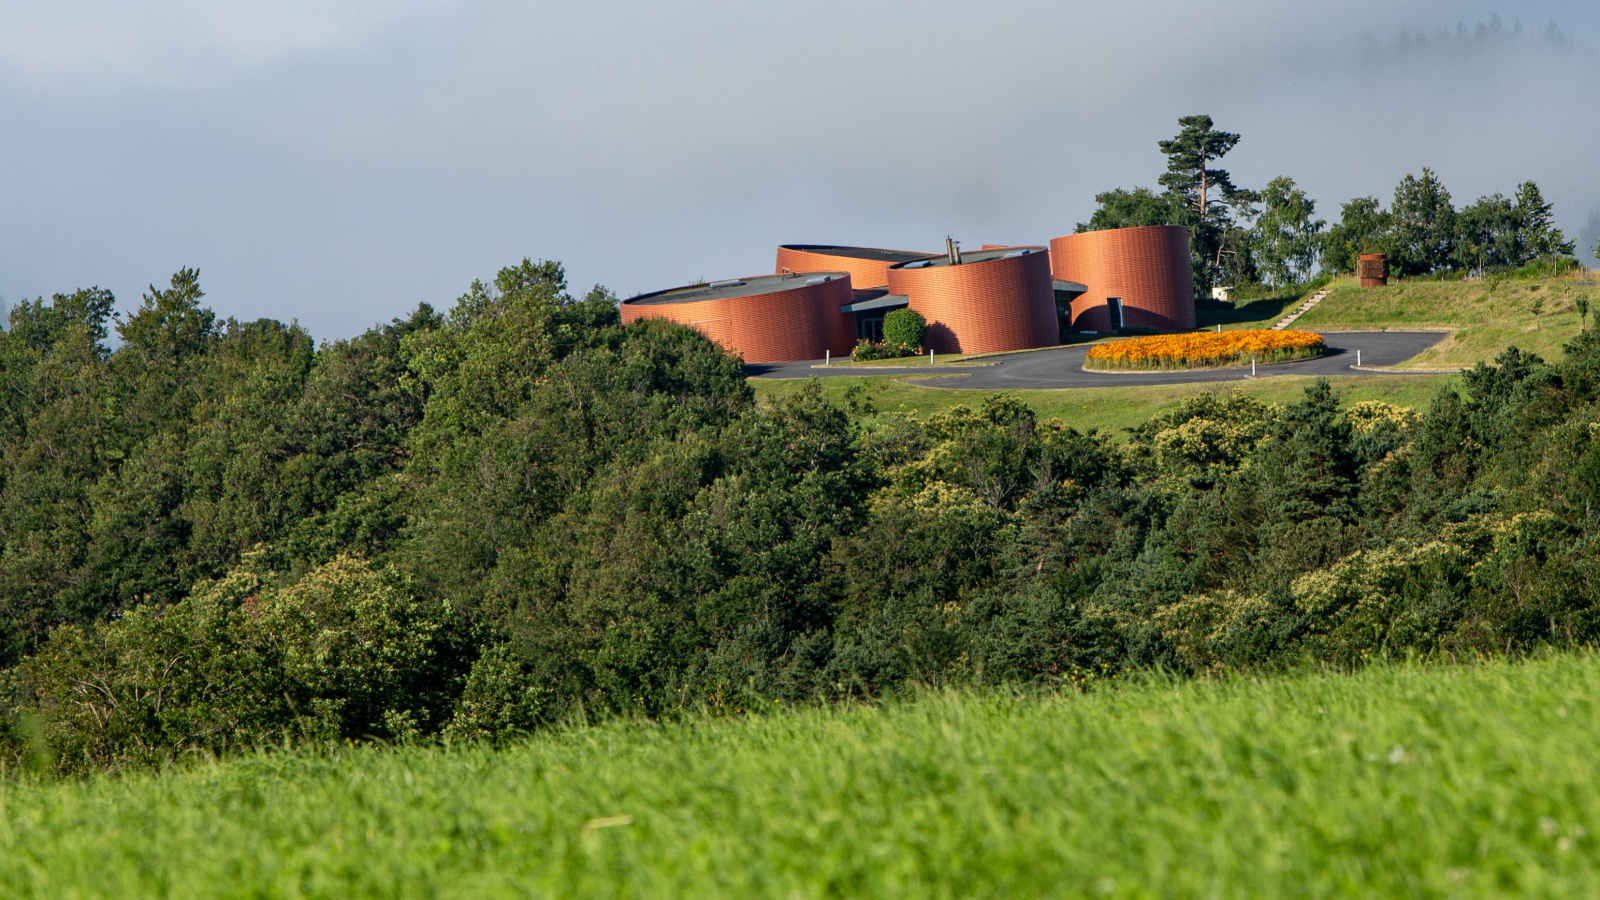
pixel 943 102
pixel 341 162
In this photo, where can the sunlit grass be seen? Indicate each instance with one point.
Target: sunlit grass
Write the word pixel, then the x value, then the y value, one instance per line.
pixel 1108 408
pixel 1478 781
pixel 1533 315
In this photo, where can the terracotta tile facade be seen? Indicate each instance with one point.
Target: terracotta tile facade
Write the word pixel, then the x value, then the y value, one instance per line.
pixel 987 304
pixel 1148 267
pixel 787 321
pixel 864 272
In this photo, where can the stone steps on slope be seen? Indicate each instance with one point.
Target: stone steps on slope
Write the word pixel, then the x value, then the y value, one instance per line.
pixel 1301 310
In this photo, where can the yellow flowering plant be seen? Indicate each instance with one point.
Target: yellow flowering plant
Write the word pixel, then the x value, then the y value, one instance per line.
pixel 1206 350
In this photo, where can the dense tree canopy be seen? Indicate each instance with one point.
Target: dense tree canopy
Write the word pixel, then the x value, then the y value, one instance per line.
pixel 219 534
pixel 1235 241
pixel 1363 227
pixel 1131 209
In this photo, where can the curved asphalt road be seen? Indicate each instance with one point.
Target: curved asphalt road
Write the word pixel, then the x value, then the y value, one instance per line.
pixel 1063 367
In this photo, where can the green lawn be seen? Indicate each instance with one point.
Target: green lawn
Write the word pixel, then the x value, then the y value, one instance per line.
pixel 1479 781
pixel 1108 408
pixel 1482 326
pixel 1248 313
pixel 941 360
pixel 1484 323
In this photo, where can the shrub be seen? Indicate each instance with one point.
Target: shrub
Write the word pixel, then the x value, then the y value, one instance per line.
pixel 905 327
pixel 1539 268
pixel 866 350
pixel 501 698
pixel 346 652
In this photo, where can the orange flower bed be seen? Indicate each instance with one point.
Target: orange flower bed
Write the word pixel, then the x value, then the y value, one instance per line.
pixel 1205 349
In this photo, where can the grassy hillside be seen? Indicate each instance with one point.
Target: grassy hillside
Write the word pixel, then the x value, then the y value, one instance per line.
pixel 1484 322
pixel 1109 408
pixel 1251 312
pixel 1479 781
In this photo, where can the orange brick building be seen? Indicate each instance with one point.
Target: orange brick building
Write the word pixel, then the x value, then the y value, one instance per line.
pixel 765 318
pixel 1146 270
pixel 826 297
pixel 983 302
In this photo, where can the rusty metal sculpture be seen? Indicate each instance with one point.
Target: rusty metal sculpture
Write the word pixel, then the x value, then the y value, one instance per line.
pixel 1373 269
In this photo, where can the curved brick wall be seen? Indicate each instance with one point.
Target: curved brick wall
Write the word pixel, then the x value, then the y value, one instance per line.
pixel 1148 267
pixel 838 328
pixel 864 273
pixel 983 306
pixel 784 324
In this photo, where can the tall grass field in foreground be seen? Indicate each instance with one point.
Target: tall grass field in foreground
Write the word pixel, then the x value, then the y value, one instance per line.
pixel 1406 781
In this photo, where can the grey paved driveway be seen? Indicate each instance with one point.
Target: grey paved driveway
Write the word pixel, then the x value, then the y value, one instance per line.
pixel 1063 367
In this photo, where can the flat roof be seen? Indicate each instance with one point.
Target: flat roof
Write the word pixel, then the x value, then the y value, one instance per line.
pixel 734 287
pixel 886 301
pixel 975 256
pixel 872 253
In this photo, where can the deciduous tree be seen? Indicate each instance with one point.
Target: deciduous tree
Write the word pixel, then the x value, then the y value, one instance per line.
pixel 1364 227
pixel 1287 236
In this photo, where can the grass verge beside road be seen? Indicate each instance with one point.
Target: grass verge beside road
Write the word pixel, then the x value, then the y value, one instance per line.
pixel 1111 408
pixel 1533 315
pixel 1476 781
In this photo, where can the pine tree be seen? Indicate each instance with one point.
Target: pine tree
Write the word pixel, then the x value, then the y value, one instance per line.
pixel 1539 237
pixel 1206 195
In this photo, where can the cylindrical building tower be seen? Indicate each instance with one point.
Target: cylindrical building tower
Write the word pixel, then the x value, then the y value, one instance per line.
pixel 868 266
pixel 992 301
pixel 766 318
pixel 1146 267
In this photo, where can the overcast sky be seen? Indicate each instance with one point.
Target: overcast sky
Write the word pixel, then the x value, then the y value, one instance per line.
pixel 339 161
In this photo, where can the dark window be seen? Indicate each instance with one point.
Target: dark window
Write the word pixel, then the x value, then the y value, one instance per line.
pixel 869 326
pixel 1113 313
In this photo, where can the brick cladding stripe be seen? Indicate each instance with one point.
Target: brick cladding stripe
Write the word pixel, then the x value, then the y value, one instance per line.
pixel 864 273
pixel 839 327
pixel 1148 267
pixel 983 307
pixel 778 326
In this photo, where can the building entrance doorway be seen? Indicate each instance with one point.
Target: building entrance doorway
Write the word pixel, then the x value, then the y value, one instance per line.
pixel 869 326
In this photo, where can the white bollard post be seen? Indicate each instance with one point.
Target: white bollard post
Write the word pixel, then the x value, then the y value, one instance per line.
pixel 1219 328
pixel 1358 359
pixel 827 357
pixel 1252 367
pixel 930 356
